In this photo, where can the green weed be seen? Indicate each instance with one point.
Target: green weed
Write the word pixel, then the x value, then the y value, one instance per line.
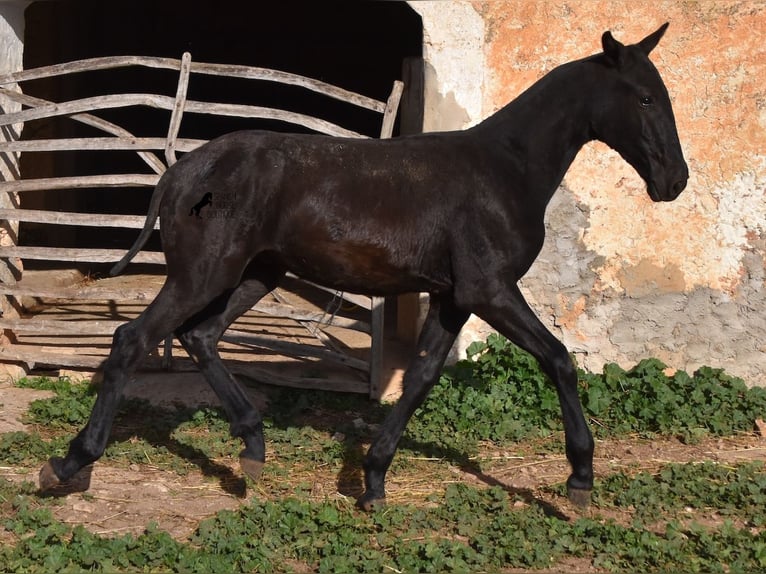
pixel 465 530
pixel 498 395
pixel 727 490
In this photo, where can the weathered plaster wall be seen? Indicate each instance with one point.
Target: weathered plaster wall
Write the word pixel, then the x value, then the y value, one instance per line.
pixel 11 52
pixel 11 48
pixel 621 278
pixel 453 51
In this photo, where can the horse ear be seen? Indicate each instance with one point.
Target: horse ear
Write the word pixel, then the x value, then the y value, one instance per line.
pixel 648 43
pixel 613 50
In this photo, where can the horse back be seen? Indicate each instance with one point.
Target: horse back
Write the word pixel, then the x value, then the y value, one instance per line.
pixel 371 216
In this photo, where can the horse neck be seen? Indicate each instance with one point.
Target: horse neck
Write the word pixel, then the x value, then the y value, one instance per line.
pixel 540 132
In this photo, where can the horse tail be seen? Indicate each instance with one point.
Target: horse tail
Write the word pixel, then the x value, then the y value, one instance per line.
pixel 143 237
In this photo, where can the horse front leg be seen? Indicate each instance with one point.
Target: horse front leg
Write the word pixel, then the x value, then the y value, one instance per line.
pixel 510 314
pixel 441 327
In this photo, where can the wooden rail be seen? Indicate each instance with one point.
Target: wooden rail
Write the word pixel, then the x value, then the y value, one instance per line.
pixel 151 150
pixel 228 70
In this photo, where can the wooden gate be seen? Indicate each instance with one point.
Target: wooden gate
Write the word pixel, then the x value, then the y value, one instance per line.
pixel 78 332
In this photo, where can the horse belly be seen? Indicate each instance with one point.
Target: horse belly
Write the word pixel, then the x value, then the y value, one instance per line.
pixel 365 268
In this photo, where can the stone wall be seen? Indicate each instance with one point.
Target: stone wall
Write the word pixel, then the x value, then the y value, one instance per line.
pixel 621 278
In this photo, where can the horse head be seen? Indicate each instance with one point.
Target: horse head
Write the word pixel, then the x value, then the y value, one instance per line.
pixel 633 115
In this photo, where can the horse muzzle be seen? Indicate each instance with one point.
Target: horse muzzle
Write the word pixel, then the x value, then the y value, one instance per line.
pixel 669 187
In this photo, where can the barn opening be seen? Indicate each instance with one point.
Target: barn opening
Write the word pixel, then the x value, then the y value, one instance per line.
pixel 360 46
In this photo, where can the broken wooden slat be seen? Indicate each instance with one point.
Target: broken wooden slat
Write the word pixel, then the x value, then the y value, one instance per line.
pixel 293 349
pixel 291 312
pixel 362 301
pixel 310 327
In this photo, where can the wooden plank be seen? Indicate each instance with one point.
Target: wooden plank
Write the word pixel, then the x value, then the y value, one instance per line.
pixel 79 254
pixel 89 65
pixel 412 102
pixel 80 293
pixel 293 349
pixel 97 293
pixel 90 104
pixel 90 327
pixel 90 120
pixel 376 348
pixel 254 73
pixel 167 103
pixel 71 218
pixel 79 182
pixel 34 356
pixel 38 326
pixel 362 301
pixel 409 308
pixel 310 326
pixel 392 106
pixel 37 356
pixel 170 153
pixel 178 109
pixel 259 112
pixel 229 70
pixel 259 375
pixel 290 312
pixel 98 144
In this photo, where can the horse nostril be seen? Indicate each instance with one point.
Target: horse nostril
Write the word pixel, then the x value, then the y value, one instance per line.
pixel 679 186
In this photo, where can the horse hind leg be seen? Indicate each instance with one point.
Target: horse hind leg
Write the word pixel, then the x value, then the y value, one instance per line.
pixel 128 348
pixel 201 342
pixel 131 343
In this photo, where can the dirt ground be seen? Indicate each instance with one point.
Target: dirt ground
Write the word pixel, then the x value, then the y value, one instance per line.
pixel 122 500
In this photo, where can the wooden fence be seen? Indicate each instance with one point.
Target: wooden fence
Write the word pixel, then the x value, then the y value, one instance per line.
pixel 118 138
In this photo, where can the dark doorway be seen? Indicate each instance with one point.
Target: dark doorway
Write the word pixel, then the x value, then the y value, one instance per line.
pixel 360 46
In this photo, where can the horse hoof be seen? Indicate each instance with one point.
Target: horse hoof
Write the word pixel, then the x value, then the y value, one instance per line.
pixel 580 497
pixel 369 503
pixel 250 467
pixel 48 478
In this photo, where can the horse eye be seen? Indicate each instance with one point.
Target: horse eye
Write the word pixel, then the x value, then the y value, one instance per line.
pixel 647 101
